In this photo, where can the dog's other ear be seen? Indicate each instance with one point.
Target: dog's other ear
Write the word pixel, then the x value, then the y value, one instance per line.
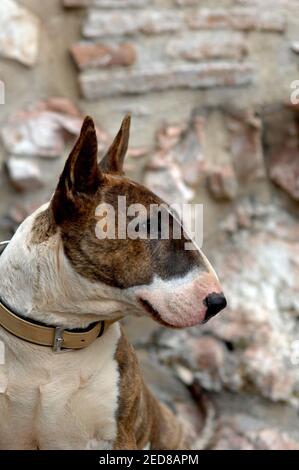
pixel 113 161
pixel 81 175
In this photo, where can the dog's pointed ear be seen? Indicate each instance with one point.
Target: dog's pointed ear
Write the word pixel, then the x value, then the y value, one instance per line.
pixel 113 161
pixel 81 174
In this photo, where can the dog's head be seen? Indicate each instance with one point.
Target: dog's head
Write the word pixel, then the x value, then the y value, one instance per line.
pixel 153 276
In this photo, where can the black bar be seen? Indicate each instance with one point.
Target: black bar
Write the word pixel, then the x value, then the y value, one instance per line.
pixel 136 459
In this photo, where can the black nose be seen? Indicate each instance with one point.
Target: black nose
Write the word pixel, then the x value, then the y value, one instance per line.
pixel 215 303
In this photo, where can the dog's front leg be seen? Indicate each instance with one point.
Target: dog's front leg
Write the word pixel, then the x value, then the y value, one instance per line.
pixel 167 432
pixel 126 440
pixel 143 422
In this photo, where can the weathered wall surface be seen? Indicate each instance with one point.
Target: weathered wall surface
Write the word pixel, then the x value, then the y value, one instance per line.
pixel 208 84
pixel 236 55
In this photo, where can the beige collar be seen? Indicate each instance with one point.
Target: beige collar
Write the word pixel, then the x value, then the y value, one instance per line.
pixel 57 337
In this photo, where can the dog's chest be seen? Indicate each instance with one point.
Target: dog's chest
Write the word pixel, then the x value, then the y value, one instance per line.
pixel 66 401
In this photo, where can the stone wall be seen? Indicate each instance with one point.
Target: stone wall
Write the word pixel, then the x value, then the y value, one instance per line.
pixel 163 61
pixel 208 83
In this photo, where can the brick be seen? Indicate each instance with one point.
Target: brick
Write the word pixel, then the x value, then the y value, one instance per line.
pixel 100 55
pixel 77 3
pixel 24 174
pixel 269 3
pixel 222 182
pixel 96 84
pixel 106 23
pixel 168 136
pixel 284 171
pixel 44 128
pixel 243 19
pixel 281 139
pixel 188 154
pixel 59 104
pixel 105 3
pixel 185 3
pixel 206 45
pixel 245 146
pixel 177 165
pixel 179 150
pixel 19 33
pixel 138 152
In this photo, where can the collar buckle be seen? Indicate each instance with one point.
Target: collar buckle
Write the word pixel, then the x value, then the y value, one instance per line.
pixel 58 339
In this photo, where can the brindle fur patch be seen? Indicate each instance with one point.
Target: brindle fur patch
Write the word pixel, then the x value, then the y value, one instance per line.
pixel 44 227
pixel 121 263
pixel 141 418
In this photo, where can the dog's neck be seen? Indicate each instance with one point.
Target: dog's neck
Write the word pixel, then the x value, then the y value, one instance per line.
pixel 37 281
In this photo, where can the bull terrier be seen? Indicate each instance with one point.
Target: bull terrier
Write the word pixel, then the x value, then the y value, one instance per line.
pixel 69 378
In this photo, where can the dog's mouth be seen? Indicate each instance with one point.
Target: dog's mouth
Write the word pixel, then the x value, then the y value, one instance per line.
pixel 155 314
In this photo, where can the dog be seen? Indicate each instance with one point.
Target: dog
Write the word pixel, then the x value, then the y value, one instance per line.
pixel 69 378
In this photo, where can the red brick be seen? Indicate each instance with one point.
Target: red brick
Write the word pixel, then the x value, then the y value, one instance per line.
pixel 96 84
pixel 62 105
pixel 284 171
pixel 107 23
pixel 100 55
pixel 222 182
pixel 168 136
pixel 206 45
pixel 138 152
pixel 245 146
pixel 185 3
pixel 281 138
pixel 244 19
pixel 268 3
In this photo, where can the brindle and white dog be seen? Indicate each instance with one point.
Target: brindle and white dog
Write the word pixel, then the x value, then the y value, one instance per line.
pixel 56 271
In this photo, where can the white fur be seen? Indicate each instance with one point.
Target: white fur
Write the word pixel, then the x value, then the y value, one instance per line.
pixel 39 282
pixel 59 401
pixel 47 400
pixel 179 302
